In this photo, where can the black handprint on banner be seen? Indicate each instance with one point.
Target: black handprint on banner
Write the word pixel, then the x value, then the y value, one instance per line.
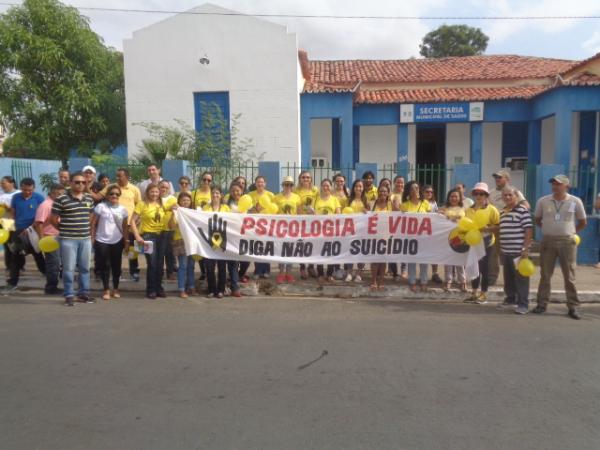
pixel 217 233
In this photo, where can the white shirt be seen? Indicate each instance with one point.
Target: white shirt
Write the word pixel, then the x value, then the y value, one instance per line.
pixel 144 184
pixel 109 228
pixel 6 198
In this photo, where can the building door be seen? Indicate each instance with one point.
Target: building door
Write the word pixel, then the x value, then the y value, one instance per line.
pixel 431 156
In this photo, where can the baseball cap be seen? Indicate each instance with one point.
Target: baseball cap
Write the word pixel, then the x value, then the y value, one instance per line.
pixel 501 173
pixel 287 179
pixel 90 168
pixel 561 179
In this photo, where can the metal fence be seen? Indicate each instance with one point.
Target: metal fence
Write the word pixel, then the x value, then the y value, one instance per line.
pixel 20 170
pixel 137 171
pixel 223 175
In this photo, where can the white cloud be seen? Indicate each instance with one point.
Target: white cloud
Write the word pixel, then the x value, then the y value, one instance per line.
pixel 593 43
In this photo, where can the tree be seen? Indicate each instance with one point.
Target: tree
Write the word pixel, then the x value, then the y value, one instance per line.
pixel 60 86
pixel 453 40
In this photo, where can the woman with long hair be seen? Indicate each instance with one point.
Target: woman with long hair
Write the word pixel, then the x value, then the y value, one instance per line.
pixel 261 270
pixel 383 203
pixel 357 200
pixel 326 204
pixel 216 286
pixel 340 190
pixel 454 211
pixel 109 235
pixel 151 216
pixel 413 202
pixel 396 196
pixel 308 195
pixel 185 270
pixel 289 204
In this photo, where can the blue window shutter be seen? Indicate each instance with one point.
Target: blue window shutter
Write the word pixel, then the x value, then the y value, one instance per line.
pixel 213 101
pixel 514 140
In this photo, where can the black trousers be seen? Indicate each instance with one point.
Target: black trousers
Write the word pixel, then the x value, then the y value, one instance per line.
pixel 108 259
pixel 216 285
pixel 484 272
pixel 17 259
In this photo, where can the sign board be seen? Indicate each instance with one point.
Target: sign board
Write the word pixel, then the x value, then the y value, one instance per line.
pixel 442 112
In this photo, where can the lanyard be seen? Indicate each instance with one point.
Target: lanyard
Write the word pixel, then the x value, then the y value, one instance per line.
pixel 559 205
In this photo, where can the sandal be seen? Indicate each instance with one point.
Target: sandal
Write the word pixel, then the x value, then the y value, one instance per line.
pixel 116 294
pixel 373 287
pixel 183 294
pixel 414 288
pixel 106 295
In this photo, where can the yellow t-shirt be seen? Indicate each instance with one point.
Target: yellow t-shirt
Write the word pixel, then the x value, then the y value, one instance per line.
pixel 287 205
pixel 388 207
pixel 454 212
pixel 168 203
pixel 152 217
pixel 200 199
pixel 422 206
pixel 494 220
pixel 342 198
pixel 222 208
pixel 371 194
pixel 328 206
pixel 130 196
pixel 255 196
pixel 358 206
pixel 307 197
pixel 396 197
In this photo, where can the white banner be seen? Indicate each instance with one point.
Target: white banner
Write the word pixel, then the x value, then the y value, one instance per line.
pixel 355 238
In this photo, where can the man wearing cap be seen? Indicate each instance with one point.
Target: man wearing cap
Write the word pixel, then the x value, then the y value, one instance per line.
pixel 502 179
pixel 560 215
pixel 89 172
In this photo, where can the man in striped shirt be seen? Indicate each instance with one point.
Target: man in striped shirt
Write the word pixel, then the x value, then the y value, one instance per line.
pixel 516 230
pixel 71 215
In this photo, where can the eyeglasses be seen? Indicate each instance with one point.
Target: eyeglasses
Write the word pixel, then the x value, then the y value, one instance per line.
pixel 207 180
pixel 305 178
pixel 184 183
pixel 79 182
pixel 114 194
pixel 478 194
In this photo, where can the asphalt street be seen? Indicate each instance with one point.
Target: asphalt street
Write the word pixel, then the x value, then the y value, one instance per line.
pixel 270 373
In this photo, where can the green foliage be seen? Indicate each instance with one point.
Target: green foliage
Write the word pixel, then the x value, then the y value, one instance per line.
pixel 60 86
pixel 453 40
pixel 47 180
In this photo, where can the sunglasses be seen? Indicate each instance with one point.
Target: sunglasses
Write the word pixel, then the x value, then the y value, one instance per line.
pixel 114 194
pixel 207 180
pixel 184 183
pixel 78 182
pixel 288 184
pixel 478 194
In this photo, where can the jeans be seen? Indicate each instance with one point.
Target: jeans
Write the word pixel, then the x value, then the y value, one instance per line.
pixel 52 269
pixel 170 259
pixel 185 273
pixel 243 268
pixel 565 250
pixel 262 268
pixel 412 273
pixel 216 286
pixel 76 253
pixel 484 275
pixel 516 286
pixel 234 275
pixel 17 260
pixel 108 258
pixel 154 263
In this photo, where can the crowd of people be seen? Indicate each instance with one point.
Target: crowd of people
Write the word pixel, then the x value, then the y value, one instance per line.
pixel 91 215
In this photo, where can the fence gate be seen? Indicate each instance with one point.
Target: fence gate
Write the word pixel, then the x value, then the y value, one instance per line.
pixel 20 170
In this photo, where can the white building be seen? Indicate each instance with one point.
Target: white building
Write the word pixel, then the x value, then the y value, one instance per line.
pixel 246 65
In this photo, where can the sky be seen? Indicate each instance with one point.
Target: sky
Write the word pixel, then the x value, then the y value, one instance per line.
pixel 384 39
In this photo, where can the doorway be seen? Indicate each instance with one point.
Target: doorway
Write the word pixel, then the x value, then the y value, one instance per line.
pixel 431 157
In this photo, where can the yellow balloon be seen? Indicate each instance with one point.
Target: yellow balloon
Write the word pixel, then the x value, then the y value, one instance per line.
pixel 473 237
pixel 4 234
pixel 526 267
pixel 482 218
pixel 264 201
pixel 466 224
pixel 348 210
pixel 48 244
pixel 577 239
pixel 272 208
pixel 196 257
pixel 244 203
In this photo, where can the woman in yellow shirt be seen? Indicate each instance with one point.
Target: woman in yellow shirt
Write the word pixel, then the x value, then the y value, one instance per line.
pixel 357 200
pixel 413 202
pixel 168 202
pixel 454 211
pixel 289 204
pixel 340 190
pixel 396 196
pixel 216 286
pixel 383 203
pixel 261 270
pixel 201 196
pixel 237 269
pixel 185 270
pixel 326 204
pixel 308 194
pixel 481 194
pixel 151 217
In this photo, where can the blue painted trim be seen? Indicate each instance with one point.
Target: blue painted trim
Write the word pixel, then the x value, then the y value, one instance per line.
pixel 402 145
pixel 355 145
pixel 271 170
pixel 476 144
pixel 363 167
pixel 534 142
pixel 336 144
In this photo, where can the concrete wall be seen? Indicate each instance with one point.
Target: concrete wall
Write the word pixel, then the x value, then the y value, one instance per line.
pixel 254 60
pixel 492 151
pixel 458 139
pixel 320 134
pixel 378 144
pixel 547 156
pixel 38 167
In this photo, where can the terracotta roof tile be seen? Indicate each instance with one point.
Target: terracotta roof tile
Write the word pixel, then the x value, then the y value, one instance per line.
pixel 447 94
pixel 583 79
pixel 483 67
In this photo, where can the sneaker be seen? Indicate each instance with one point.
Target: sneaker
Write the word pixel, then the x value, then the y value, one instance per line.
pixel 481 298
pixel 135 277
pixel 521 310
pixel 151 296
pixel 539 309
pixel 281 278
pixel 358 278
pixel 290 278
pixel 69 301
pixel 211 295
pixel 219 295
pixel 506 305
pixel 470 299
pixel 236 294
pixel 349 277
pixel 84 298
pixel 9 289
pixel 574 314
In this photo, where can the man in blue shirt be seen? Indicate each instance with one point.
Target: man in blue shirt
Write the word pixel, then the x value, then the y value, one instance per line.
pixel 22 209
